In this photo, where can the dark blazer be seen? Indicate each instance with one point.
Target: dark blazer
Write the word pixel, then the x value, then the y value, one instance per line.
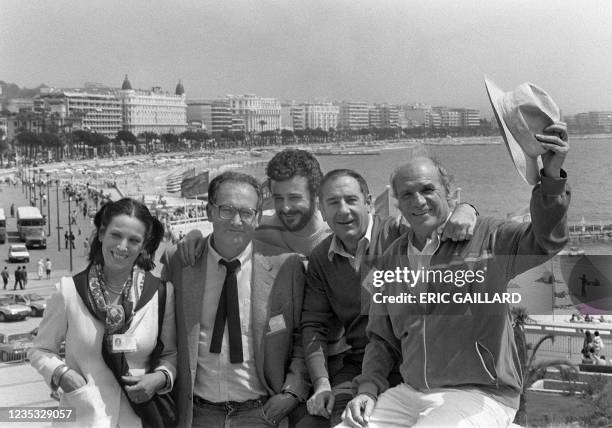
pixel 277 288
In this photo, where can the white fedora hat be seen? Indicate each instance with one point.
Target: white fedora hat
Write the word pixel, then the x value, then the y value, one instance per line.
pixel 521 114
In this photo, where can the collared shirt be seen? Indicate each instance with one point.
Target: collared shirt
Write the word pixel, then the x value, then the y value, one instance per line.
pixel 421 259
pixel 217 379
pixel 336 247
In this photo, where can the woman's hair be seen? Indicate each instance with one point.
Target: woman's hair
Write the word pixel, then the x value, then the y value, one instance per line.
pixel 154 230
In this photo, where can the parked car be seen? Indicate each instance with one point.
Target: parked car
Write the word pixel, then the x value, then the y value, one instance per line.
pixel 18 253
pixel 62 349
pixel 15 346
pixel 12 311
pixel 36 302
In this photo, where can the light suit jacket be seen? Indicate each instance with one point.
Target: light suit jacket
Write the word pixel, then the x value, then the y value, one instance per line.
pixel 101 403
pixel 277 289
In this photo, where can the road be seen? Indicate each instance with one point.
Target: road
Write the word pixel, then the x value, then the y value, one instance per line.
pixel 20 384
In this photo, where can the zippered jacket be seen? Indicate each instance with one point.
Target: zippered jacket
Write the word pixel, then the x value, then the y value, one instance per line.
pixel 462 342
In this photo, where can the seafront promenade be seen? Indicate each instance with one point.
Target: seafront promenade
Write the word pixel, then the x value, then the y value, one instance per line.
pixel 20 384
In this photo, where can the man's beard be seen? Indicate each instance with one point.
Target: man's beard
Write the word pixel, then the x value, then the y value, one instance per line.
pixel 305 218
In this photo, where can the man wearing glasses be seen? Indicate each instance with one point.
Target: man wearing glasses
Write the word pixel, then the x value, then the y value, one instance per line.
pixel 250 373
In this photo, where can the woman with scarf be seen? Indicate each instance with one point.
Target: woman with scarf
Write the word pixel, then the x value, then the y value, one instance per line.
pixel 117 320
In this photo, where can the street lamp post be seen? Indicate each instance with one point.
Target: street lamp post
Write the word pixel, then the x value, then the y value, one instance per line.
pixel 22 176
pixel 48 207
pixel 70 232
pixel 57 215
pixel 40 190
pixel 27 179
pixel 33 188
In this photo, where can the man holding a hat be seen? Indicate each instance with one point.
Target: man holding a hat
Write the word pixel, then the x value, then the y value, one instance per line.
pixel 458 358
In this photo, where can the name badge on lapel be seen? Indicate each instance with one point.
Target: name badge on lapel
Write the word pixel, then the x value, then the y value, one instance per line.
pixel 277 323
pixel 123 343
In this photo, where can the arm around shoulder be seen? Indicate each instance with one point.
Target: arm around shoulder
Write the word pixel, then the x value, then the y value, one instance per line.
pixel 168 358
pixel 297 380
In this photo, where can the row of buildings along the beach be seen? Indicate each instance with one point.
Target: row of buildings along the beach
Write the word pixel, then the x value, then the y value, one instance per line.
pixel 106 110
pixel 251 113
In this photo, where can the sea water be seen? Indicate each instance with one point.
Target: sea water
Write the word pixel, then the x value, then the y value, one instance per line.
pixel 488 179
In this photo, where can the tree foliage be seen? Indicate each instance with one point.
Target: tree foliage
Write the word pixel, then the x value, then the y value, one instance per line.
pixel 27 138
pixel 534 370
pixel 99 140
pixel 126 136
pixel 82 136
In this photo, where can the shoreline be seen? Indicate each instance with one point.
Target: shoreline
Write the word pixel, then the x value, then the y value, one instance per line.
pixel 222 157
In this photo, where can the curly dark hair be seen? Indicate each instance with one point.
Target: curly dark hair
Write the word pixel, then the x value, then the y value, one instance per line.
pixel 293 162
pixel 133 208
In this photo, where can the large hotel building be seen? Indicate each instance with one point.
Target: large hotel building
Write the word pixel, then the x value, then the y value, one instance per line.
pixel 353 115
pixel 106 111
pixel 321 115
pixel 258 114
pixel 213 115
pixel 153 110
pixel 95 111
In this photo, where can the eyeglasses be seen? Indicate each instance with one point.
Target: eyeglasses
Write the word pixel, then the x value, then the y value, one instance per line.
pixel 228 212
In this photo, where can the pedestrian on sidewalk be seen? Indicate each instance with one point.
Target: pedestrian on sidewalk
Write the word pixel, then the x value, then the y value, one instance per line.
pixel 66 237
pixel 48 265
pixel 71 238
pixel 17 278
pixel 24 278
pixel 41 268
pixel 5 276
pixel 12 210
pixel 86 246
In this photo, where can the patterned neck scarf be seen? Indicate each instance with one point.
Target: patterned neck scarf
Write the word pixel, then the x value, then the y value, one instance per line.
pixel 116 317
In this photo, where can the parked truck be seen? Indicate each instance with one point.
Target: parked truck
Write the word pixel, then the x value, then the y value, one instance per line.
pixel 31 227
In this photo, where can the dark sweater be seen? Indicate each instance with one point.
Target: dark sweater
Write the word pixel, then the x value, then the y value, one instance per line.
pixel 334 288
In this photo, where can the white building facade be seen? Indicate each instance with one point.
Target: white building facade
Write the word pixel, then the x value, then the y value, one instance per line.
pixel 98 112
pixel 353 115
pixel 258 114
pixel 153 110
pixel 321 115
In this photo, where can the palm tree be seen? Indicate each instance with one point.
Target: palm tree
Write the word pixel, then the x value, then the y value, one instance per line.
pixel 262 123
pixel 532 370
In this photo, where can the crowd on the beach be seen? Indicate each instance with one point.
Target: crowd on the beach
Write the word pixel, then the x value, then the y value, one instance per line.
pixel 579 318
pixel 272 320
pixel 592 349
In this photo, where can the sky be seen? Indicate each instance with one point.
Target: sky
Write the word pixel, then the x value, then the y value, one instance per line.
pixel 398 51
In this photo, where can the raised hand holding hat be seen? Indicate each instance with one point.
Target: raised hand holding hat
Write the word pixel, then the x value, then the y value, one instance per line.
pixel 555 141
pixel 530 123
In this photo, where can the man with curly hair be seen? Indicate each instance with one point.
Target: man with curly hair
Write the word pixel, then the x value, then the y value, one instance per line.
pixel 296 223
